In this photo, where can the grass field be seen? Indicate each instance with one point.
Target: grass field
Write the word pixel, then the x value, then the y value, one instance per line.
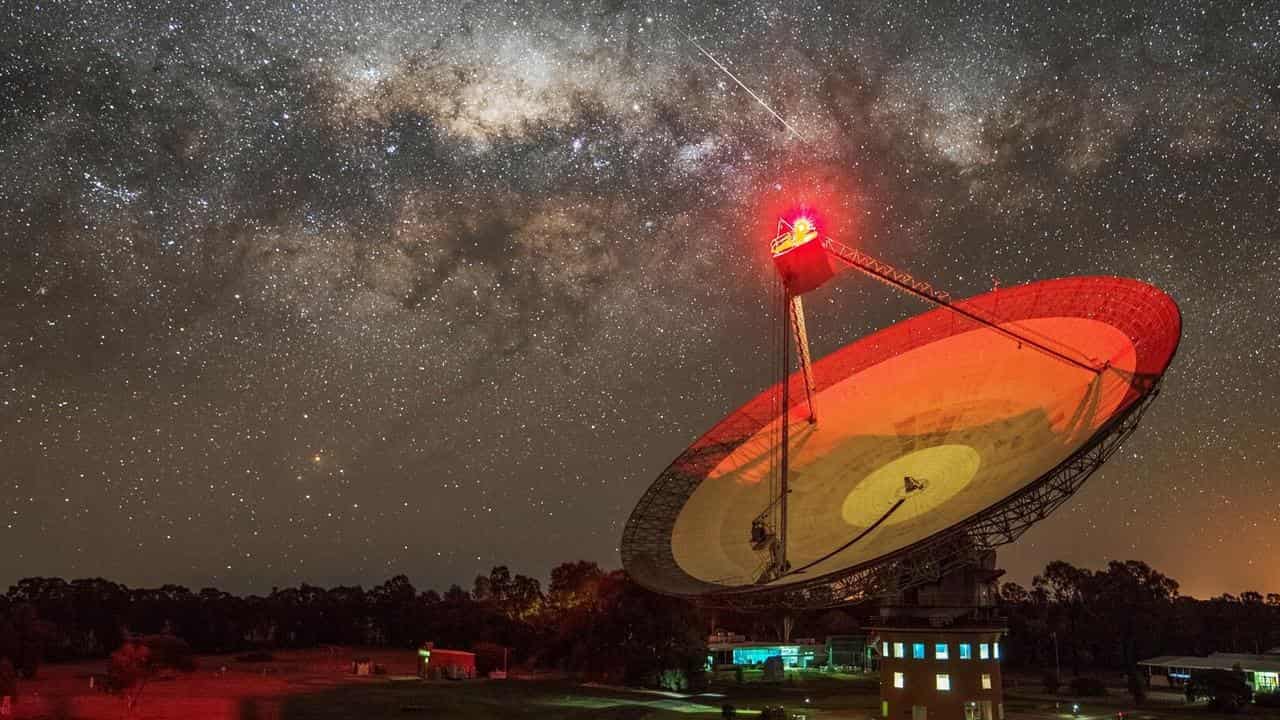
pixel 317 685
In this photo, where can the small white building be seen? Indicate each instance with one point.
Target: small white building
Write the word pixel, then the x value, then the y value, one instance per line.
pixel 1262 672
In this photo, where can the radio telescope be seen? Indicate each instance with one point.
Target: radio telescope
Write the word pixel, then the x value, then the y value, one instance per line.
pixel 907 454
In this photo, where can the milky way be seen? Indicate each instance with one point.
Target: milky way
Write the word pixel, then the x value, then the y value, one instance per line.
pixel 326 292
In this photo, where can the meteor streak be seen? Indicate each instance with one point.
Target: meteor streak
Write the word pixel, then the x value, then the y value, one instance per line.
pixel 742 85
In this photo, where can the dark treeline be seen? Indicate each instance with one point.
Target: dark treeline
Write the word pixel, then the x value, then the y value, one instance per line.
pixel 586 620
pixel 600 623
pixel 1126 612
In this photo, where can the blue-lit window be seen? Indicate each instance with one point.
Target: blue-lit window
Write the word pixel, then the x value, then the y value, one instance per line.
pixel 885 650
pixel 940 651
pixel 792 655
pixel 917 651
pixel 984 651
pixel 966 651
pixel 995 650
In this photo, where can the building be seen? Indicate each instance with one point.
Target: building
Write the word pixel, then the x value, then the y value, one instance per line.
pixel 438 664
pixel 1262 672
pixel 939 649
pixel 735 650
pixel 951 673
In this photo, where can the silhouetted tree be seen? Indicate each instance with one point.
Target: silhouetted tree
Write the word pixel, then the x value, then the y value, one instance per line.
pixel 140 660
pixel 1071 591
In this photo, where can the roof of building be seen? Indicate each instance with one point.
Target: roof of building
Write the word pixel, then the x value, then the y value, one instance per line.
pixel 745 644
pixel 441 652
pixel 1218 661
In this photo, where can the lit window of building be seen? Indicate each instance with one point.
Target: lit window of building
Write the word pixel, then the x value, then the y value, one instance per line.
pixel 899 650
pixel 944 681
pixel 995 650
pixel 986 681
pixel 966 651
pixel 940 651
pixel 917 651
pixel 984 651
pixel 899 680
pixel 884 652
pixel 884 708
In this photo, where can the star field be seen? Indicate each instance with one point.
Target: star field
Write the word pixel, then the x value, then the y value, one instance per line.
pixel 329 291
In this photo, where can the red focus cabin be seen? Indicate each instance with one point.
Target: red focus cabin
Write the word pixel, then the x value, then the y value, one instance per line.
pixel 800 258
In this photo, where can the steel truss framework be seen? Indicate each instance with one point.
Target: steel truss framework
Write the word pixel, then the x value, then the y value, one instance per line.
pixel 1147 316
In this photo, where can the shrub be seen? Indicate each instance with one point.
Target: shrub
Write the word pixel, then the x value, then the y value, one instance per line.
pixel 773 712
pixel 1087 687
pixel 1226 690
pixel 141 660
pixel 737 674
pixel 673 680
pixel 1051 683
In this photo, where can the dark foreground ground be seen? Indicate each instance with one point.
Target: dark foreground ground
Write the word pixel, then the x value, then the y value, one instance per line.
pixel 317 685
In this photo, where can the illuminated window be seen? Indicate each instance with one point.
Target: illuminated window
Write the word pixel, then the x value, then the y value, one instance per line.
pixel 995 650
pixel 899 650
pixel 986 681
pixel 1266 681
pixel 940 651
pixel 884 708
pixel 884 652
pixel 966 651
pixel 984 651
pixel 917 651
pixel 944 681
pixel 899 680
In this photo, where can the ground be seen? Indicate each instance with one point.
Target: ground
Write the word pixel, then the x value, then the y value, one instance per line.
pixel 317 684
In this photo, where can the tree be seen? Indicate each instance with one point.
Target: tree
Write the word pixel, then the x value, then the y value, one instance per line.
pixel 1070 589
pixel 1011 593
pixel 637 635
pixel 395 605
pixel 573 585
pixel 140 660
pixel 524 600
pixel 27 639
pixel 1135 600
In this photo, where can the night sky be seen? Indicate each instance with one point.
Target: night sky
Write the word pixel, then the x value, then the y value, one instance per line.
pixel 329 291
